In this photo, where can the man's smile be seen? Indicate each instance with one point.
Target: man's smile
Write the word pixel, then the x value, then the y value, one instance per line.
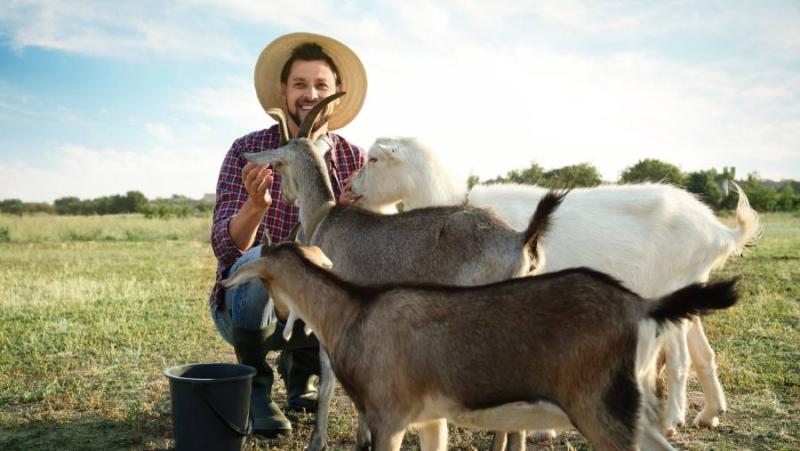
pixel 306 107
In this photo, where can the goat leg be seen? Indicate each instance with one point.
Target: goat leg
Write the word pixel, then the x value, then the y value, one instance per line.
pixel 363 436
pixel 703 359
pixel 319 437
pixel 508 441
pixel 677 368
pixel 499 440
pixel 516 441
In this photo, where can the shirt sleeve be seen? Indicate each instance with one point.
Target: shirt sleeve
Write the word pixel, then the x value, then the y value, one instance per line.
pixel 231 195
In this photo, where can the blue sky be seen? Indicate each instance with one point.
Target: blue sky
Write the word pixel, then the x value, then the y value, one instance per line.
pixel 99 97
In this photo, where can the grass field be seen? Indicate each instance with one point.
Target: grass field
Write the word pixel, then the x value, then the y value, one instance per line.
pixel 93 309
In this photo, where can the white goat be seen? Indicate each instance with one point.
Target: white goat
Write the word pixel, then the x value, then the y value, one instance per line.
pixel 483 357
pixel 655 238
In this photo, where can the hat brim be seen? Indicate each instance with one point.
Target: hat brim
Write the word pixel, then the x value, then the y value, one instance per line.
pixel 352 75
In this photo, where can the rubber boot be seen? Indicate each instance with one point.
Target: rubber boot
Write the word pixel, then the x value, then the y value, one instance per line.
pixel 300 371
pixel 268 419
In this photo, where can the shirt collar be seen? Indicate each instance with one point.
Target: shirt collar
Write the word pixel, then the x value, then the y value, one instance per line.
pixel 325 143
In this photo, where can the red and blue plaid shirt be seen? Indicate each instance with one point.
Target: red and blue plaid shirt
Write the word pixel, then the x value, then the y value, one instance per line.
pixel 343 160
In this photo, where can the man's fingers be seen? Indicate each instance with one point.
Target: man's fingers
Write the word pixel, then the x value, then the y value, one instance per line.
pixel 253 173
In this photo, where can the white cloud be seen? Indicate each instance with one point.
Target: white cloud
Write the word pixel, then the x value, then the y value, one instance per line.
pixel 119 30
pixel 235 102
pixel 491 110
pixel 161 132
pixel 448 73
pixel 75 170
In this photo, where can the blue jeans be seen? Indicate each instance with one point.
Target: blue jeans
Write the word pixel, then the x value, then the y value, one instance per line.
pixel 249 306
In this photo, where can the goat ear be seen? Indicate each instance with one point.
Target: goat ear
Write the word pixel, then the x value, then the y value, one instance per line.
pixel 389 152
pixel 316 256
pixel 249 271
pixel 266 242
pixel 280 116
pixel 275 158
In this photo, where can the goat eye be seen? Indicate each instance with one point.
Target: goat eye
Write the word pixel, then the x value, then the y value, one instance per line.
pixel 372 160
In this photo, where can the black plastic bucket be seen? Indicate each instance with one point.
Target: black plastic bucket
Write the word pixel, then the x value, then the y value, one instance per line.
pixel 210 405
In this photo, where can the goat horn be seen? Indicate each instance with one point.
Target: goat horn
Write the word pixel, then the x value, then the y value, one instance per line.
pixel 308 122
pixel 280 116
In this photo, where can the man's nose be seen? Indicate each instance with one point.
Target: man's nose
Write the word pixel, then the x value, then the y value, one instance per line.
pixel 312 93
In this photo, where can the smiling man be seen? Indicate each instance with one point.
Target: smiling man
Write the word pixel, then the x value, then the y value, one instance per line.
pixel 294 72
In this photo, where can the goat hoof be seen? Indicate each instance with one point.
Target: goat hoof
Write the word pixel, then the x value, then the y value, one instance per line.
pixel 672 427
pixel 316 445
pixel 705 419
pixel 542 436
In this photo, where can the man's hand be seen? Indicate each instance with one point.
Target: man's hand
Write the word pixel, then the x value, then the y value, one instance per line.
pixel 346 197
pixel 257 180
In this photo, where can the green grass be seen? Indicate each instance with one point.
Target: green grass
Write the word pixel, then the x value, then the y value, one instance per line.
pixel 132 227
pixel 87 327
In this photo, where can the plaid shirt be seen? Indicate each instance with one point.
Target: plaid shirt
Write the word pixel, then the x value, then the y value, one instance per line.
pixel 343 160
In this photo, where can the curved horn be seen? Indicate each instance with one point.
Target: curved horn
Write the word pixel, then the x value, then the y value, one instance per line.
pixel 308 122
pixel 280 116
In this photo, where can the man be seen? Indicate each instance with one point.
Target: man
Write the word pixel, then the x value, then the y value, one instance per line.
pixel 293 73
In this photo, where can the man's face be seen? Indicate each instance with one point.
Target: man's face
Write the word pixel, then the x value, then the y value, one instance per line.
pixel 308 83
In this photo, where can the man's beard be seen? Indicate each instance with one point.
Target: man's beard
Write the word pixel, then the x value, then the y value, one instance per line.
pixel 322 118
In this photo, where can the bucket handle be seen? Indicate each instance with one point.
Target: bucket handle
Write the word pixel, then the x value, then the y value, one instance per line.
pixel 200 389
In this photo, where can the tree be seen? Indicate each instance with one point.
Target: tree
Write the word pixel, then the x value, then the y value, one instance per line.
pixel 762 198
pixel 652 170
pixel 706 185
pixel 38 207
pixel 576 175
pixel 472 180
pixel 528 176
pixel 786 198
pixel 135 201
pixel 12 206
pixel 70 205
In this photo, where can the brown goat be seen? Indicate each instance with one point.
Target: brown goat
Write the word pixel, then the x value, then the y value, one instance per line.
pixel 560 350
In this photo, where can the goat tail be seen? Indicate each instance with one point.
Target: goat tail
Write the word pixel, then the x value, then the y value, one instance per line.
pixel 748 225
pixel 540 221
pixel 695 299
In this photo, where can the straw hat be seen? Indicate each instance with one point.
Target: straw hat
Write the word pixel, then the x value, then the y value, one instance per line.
pixel 352 75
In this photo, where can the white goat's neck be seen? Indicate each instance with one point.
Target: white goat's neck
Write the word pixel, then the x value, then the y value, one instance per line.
pixel 444 188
